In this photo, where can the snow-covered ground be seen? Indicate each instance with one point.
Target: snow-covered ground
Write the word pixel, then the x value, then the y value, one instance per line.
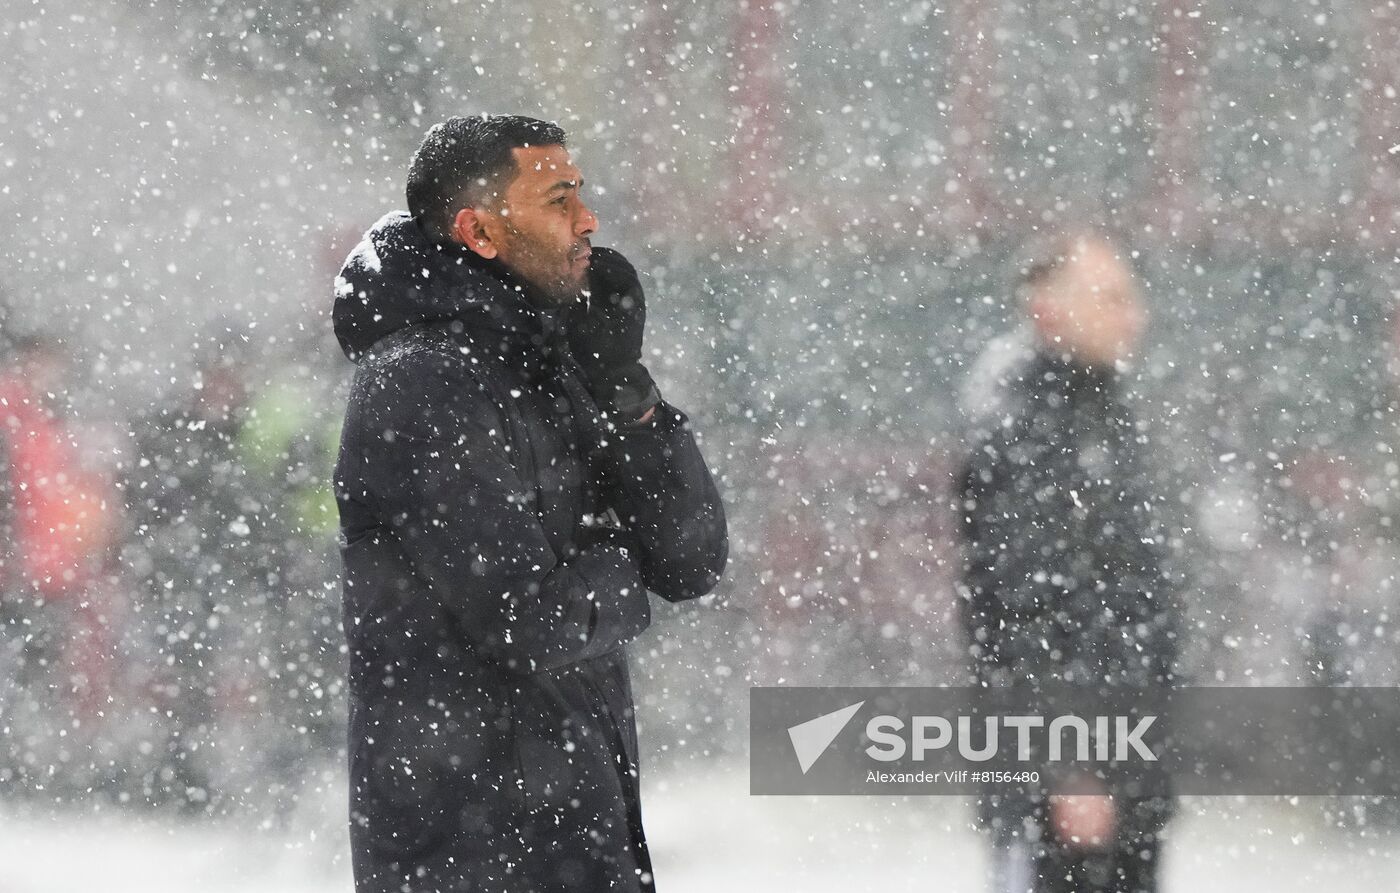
pixel 707 834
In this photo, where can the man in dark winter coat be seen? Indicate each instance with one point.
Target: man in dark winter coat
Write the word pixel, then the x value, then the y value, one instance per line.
pixel 510 486
pixel 1064 581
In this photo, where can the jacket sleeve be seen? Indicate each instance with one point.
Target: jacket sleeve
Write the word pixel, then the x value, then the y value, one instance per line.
pixel 1014 543
pixel 445 487
pixel 984 537
pixel 661 489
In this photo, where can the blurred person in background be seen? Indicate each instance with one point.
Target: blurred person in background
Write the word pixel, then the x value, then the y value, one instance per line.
pixel 510 486
pixel 201 549
pixel 56 527
pixel 1064 579
pixel 288 446
pixel 228 496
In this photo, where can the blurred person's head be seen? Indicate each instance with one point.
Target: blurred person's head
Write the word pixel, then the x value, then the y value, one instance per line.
pixel 1083 300
pixel 505 188
pixel 39 362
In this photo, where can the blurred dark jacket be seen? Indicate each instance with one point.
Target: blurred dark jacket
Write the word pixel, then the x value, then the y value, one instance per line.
pixel 487 597
pixel 1064 577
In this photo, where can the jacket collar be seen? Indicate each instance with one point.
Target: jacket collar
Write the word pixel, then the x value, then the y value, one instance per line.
pixel 1057 371
pixel 398 277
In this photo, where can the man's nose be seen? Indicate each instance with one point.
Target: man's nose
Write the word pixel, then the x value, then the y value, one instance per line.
pixel 585 222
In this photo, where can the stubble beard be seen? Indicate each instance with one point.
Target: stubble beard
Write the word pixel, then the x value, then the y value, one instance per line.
pixel 559 293
pixel 549 289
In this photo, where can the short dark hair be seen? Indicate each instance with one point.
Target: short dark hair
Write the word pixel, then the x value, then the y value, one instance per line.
pixel 460 156
pixel 1045 254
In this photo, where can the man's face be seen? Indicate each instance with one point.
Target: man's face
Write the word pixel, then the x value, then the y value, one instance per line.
pixel 1090 307
pixel 540 226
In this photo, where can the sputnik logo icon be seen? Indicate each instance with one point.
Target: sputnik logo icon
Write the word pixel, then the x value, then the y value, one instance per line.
pixel 810 739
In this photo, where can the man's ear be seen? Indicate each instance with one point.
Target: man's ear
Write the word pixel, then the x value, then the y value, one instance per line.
pixel 469 228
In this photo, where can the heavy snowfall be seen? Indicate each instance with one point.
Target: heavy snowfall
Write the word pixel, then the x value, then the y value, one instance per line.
pixel 827 202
